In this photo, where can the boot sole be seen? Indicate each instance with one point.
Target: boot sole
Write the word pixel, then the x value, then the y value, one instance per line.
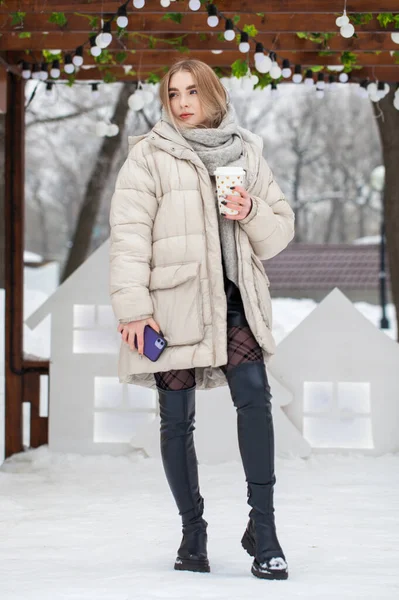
pixel 274 574
pixel 249 546
pixel 197 566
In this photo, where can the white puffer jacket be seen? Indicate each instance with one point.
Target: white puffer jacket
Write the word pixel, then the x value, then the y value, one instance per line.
pixel 165 254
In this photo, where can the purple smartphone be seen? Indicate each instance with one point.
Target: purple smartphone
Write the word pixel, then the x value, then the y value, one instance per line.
pixel 154 343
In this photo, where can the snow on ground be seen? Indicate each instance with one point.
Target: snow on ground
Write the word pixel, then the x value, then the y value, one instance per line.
pixel 106 528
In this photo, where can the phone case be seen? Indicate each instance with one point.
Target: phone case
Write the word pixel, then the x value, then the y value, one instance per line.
pixel 154 343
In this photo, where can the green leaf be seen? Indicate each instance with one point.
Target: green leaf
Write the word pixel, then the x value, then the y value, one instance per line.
pixel 58 18
pixel 176 17
pixel 152 42
pixel 24 34
pixel 260 14
pixel 49 56
pixel 220 37
pixel 203 37
pixel 325 53
pixel 396 21
pixel 105 58
pixel 153 78
pixel 264 81
pixel 317 68
pixel 218 71
pixel 236 19
pixel 361 18
pixel 120 57
pixel 239 68
pixel 396 57
pixel 109 77
pixel 183 49
pixel 302 35
pixel 250 30
pixel 348 59
pixel 71 79
pixel 385 18
pixel 17 18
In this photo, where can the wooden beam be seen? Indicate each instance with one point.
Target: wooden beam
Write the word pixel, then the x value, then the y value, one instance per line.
pixel 38 424
pixel 381 73
pixel 279 42
pixel 279 6
pixel 14 226
pixel 159 58
pixel 153 24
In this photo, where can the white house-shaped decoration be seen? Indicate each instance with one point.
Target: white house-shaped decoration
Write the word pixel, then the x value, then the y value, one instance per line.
pixel 90 412
pixel 343 373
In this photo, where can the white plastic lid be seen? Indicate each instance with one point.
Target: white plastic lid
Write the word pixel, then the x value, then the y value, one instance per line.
pixel 229 171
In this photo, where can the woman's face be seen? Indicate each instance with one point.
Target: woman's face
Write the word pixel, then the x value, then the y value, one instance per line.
pixel 184 100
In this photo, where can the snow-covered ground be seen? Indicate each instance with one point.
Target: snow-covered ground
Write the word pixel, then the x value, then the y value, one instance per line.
pixel 103 528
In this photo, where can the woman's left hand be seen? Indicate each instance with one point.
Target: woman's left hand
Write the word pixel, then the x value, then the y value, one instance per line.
pixel 242 203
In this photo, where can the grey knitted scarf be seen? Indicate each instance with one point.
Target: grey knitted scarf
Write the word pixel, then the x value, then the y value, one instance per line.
pixel 219 147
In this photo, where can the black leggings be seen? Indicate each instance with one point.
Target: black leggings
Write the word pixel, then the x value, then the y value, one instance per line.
pixel 242 347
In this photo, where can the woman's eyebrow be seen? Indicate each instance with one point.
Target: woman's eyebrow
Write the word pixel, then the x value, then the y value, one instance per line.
pixel 190 87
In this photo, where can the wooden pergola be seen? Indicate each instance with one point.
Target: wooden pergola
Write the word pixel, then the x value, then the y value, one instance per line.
pixel 152 41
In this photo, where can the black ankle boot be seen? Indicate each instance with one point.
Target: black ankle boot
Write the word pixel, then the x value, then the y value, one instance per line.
pixel 177 412
pixel 250 392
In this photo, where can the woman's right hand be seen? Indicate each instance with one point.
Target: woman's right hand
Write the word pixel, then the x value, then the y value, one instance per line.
pixel 136 328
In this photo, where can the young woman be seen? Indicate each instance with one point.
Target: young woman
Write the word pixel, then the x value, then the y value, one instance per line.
pixel 182 268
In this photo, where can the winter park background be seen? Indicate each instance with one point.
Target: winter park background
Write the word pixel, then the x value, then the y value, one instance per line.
pixel 106 528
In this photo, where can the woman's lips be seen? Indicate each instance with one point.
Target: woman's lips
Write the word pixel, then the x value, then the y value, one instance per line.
pixel 185 116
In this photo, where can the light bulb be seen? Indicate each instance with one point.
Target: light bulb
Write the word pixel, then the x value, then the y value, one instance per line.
pixel 213 21
pixel 347 31
pixel 254 79
pixel 343 77
pixel 309 77
pixel 244 47
pixel 297 78
pixel 69 69
pixel 342 20
pixel 112 130
pixel 55 69
pixel 286 70
pixel 77 60
pixel 275 71
pixel 138 3
pixel 26 70
pixel 43 72
pixel 95 50
pixel 122 21
pixel 396 102
pixel 264 65
pixel 372 88
pixel 165 3
pixel 229 35
pixel 136 101
pixel 106 39
pixel 395 37
pixel 321 84
pixel 194 5
pixel 36 72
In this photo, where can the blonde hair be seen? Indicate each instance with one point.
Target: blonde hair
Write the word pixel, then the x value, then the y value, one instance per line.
pixel 213 96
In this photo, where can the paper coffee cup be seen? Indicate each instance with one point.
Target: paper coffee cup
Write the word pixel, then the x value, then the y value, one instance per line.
pixel 226 177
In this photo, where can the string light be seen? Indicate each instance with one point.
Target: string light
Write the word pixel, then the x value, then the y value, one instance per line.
pixel 165 3
pixel 122 20
pixel 395 37
pixel 68 64
pixel 275 71
pixel 104 38
pixel 229 33
pixel 78 58
pixel 194 5
pixel 138 3
pixel 213 19
pixel 94 90
pixel 36 71
pixel 297 77
pixel 244 43
pixel 309 77
pixel 321 84
pixel 343 77
pixel 43 74
pixel 26 70
pixel 94 49
pixel 49 88
pixel 55 71
pixel 286 71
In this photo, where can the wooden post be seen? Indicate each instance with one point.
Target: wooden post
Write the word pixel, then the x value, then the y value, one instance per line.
pixel 14 248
